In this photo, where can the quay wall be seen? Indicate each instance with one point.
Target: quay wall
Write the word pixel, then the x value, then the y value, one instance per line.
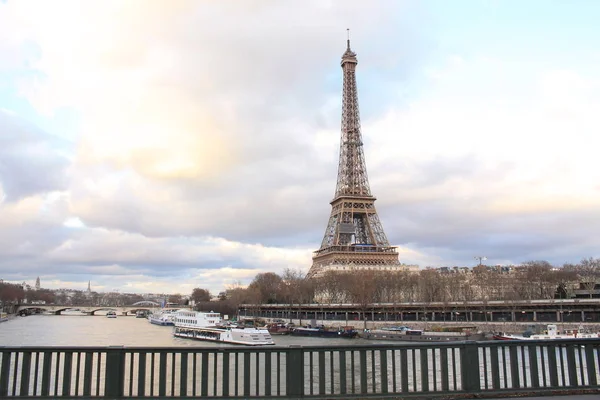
pixel 486 327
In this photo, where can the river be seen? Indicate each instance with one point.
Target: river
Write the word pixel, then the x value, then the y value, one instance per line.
pixel 71 330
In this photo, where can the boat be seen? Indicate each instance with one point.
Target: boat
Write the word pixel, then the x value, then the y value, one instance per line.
pixel 140 314
pixel 551 333
pixel 321 331
pixel 111 314
pixel 3 317
pixel 210 326
pixel 417 335
pixel 279 328
pixel 396 328
pixel 162 318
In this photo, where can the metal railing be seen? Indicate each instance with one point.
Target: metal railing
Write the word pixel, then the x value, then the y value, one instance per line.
pixel 353 371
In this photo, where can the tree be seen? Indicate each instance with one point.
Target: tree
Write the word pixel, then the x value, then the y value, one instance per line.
pixel 483 282
pixel 589 272
pixel 11 293
pixel 79 299
pixel 362 290
pixel 45 295
pixel 175 298
pixel 95 298
pixel 199 295
pixel 430 285
pixel 330 287
pixel 566 277
pixel 269 286
pixel 62 299
pixel 297 289
pixel 540 277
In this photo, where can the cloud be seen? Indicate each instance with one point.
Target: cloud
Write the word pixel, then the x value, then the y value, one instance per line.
pixel 216 123
pixel 31 161
pixel 208 134
pixel 113 259
pixel 476 176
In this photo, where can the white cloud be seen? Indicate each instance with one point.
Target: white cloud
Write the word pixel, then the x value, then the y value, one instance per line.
pixel 209 136
pixel 474 166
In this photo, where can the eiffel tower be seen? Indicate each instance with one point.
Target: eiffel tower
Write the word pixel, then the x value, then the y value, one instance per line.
pixel 354 237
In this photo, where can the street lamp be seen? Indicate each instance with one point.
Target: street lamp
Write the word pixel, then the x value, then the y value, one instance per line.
pixel 480 258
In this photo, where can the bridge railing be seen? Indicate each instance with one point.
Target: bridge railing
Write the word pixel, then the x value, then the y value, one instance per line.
pixel 353 371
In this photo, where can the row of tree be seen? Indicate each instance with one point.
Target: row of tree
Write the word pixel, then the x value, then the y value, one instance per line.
pixel 532 280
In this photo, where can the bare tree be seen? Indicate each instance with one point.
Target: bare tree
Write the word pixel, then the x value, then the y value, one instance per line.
pixel 331 287
pixel 236 294
pixel 362 290
pixel 483 282
pixel 540 276
pixel 79 299
pixel 199 295
pixel 269 285
pixel 567 279
pixel 175 298
pixel 589 272
pixel 430 285
pixel 11 293
pixel 292 289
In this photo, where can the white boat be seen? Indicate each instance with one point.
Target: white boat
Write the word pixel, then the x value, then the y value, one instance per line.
pixel 551 333
pixel 111 314
pixel 210 326
pixel 162 317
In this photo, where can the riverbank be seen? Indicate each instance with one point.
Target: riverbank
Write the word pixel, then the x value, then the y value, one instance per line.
pixel 486 327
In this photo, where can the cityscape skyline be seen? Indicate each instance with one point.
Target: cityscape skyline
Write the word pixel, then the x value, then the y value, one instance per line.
pixel 156 147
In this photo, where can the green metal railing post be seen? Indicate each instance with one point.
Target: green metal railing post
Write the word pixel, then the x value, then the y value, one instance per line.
pixel 469 366
pixel 4 372
pixel 295 372
pixel 114 377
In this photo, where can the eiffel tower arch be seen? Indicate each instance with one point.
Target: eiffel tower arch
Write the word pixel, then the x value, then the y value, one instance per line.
pixel 354 237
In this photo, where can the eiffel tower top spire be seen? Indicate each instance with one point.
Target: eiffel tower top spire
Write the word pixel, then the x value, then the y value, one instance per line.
pixel 352 171
pixel 349 55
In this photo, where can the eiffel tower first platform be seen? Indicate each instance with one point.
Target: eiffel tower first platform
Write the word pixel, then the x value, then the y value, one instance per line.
pixel 354 237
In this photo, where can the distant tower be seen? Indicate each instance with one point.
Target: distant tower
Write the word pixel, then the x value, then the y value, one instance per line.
pixel 354 236
pixel 89 286
pixel 37 283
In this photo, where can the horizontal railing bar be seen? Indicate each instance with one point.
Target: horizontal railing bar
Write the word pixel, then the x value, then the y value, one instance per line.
pixel 279 348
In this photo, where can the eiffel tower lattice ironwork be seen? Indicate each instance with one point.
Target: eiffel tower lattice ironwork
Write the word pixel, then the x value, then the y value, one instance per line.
pixel 354 236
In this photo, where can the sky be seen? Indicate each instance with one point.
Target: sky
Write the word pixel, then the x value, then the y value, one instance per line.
pixel 159 146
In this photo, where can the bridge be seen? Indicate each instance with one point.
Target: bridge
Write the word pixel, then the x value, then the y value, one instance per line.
pixel 89 310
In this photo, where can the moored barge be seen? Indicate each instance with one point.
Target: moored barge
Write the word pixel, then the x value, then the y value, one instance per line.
pixel 417 335
pixel 321 331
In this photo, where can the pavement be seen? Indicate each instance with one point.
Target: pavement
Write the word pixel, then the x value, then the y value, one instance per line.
pixel 564 396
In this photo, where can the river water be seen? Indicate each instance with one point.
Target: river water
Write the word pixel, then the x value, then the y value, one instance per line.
pixel 73 330
pixel 129 331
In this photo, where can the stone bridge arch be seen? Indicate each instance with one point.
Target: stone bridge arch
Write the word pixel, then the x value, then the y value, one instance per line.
pixel 29 309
